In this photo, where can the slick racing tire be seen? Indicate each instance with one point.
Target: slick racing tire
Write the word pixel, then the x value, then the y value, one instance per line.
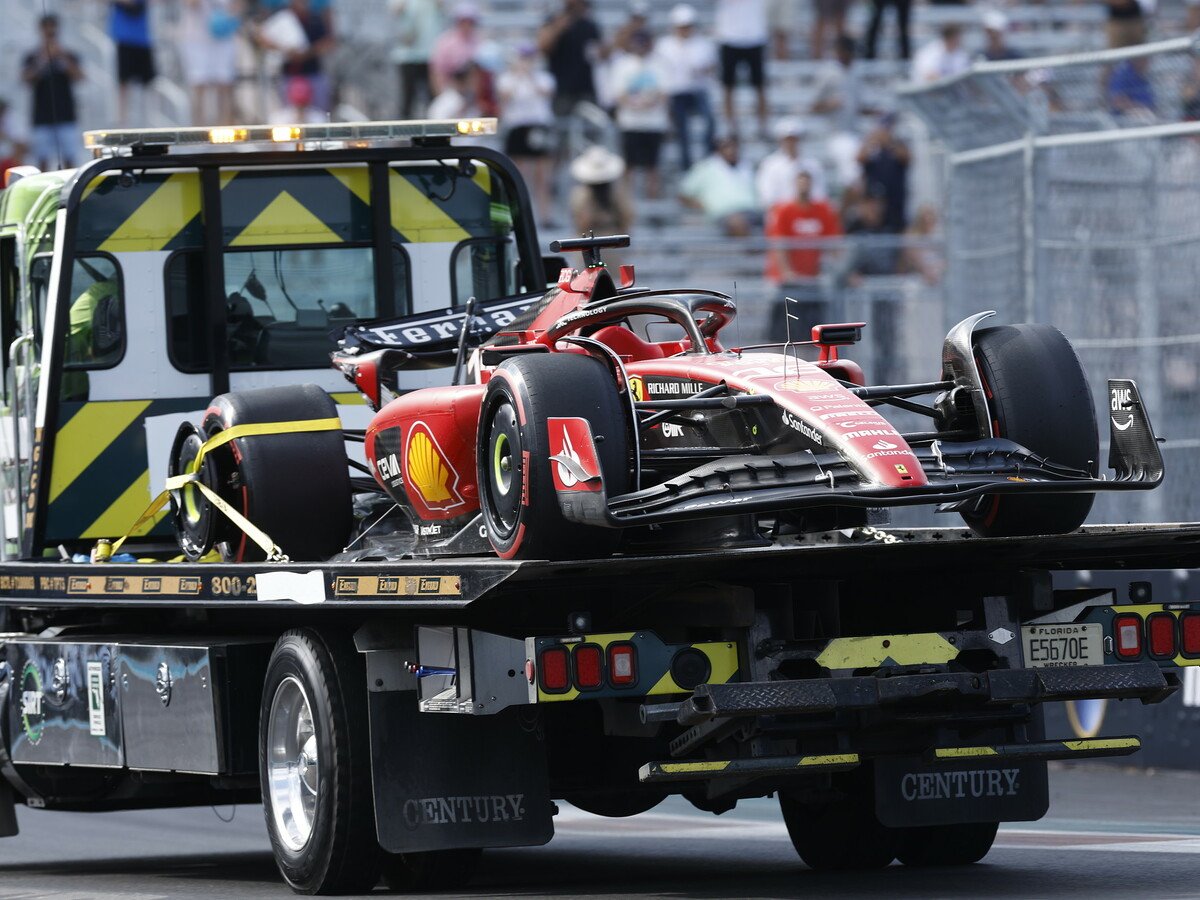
pixel 516 487
pixel 433 870
pixel 295 487
pixel 1038 396
pixel 946 845
pixel 842 834
pixel 315 765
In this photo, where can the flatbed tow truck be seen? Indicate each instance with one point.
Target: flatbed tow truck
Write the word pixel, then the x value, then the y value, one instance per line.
pixel 395 717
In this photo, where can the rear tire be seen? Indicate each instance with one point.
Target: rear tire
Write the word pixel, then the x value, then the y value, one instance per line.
pixel 295 487
pixel 519 503
pixel 946 845
pixel 315 765
pixel 1038 396
pixel 842 834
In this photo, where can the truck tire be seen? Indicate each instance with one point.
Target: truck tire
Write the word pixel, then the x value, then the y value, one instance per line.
pixel 315 765
pixel 436 870
pixel 946 845
pixel 842 834
pixel 519 504
pixel 1038 396
pixel 295 487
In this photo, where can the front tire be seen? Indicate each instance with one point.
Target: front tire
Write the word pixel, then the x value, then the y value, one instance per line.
pixel 315 765
pixel 516 489
pixel 1038 396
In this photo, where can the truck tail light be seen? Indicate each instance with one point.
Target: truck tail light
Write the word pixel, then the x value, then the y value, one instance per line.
pixel 554 667
pixel 1127 636
pixel 622 663
pixel 1161 632
pixel 589 667
pixel 1189 625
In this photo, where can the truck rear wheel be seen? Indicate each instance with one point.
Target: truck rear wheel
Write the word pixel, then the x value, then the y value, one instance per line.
pixel 516 488
pixel 840 834
pixel 295 487
pixel 315 765
pixel 946 845
pixel 1038 396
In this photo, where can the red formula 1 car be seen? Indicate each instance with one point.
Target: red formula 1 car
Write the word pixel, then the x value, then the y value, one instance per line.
pixel 580 435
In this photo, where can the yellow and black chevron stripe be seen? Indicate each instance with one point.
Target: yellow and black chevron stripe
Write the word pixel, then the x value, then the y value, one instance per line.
pixel 99 478
pixel 1073 749
pixel 161 211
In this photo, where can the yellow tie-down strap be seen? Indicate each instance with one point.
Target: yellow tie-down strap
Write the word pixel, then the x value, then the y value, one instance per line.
pixel 178 482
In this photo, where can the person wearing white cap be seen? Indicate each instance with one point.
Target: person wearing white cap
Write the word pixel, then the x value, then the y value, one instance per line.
pixel 995 30
pixel 689 61
pixel 776 178
pixel 455 49
pixel 598 201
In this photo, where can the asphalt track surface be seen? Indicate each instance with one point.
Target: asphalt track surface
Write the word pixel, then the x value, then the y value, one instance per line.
pixel 1111 833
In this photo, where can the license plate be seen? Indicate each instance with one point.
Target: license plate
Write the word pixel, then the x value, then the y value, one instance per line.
pixel 1063 645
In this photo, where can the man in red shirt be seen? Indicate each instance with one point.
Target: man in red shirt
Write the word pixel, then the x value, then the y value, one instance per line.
pixel 801 219
pixel 796 269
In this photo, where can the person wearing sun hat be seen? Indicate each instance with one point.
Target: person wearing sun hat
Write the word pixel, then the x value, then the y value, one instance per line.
pixel 598 201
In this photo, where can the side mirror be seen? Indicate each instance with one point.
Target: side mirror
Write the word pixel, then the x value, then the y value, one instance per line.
pixel 552 265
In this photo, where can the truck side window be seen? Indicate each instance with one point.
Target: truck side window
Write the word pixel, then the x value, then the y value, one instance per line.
pixel 483 268
pixel 280 304
pixel 96 316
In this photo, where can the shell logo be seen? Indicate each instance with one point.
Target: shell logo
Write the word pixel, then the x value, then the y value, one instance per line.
pixel 428 470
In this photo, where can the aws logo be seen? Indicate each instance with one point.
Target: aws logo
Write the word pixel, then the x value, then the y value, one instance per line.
pixel 429 472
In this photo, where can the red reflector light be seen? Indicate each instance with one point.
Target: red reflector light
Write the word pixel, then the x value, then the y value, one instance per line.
pixel 1161 628
pixel 1190 626
pixel 554 667
pixel 1127 636
pixel 622 664
pixel 589 667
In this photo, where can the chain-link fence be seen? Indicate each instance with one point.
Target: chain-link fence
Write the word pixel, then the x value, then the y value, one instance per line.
pixel 1073 197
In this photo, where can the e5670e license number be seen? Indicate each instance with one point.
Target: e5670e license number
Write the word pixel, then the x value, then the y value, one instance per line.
pixel 1063 645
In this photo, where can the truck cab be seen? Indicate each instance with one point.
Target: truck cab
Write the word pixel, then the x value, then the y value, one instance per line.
pixel 180 264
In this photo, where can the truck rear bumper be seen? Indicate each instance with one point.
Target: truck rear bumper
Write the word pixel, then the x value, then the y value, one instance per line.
pixel 1003 687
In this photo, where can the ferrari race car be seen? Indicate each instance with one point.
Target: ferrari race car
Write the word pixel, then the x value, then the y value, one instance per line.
pixel 580 434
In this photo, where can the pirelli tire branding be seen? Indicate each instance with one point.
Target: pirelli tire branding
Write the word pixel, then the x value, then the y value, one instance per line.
pixel 909 792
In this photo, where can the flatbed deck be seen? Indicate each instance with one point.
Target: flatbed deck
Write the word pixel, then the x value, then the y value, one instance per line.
pixel 456 583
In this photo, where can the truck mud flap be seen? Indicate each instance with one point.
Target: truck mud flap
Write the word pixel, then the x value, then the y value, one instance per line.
pixel 452 782
pixel 1144 681
pixel 910 792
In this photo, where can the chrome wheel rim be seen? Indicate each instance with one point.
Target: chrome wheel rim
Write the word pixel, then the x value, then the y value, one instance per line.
pixel 292 770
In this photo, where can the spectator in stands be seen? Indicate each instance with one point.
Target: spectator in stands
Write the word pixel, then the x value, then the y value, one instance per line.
pixel 776 177
pixel 722 187
pixel 572 44
pixel 903 14
pixel 919 256
pixel 873 253
pixel 1127 21
pixel 208 51
pixel 1130 91
pixel 418 24
pixel 783 16
pixel 524 92
pixel 689 60
pixel 742 34
pixel 885 158
pixel 637 23
pixel 51 72
pixel 304 75
pixel 639 90
pixel 598 201
pixel 831 21
pixel 459 99
pixel 455 48
pixel 129 27
pixel 995 36
pixel 942 57
pixel 801 218
pixel 839 95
